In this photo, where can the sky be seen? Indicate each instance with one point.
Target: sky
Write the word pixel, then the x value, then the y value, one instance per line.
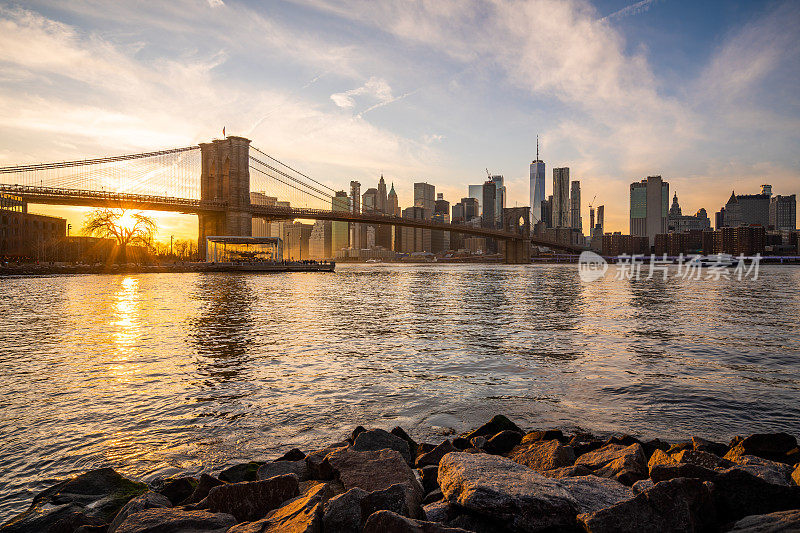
pixel 702 93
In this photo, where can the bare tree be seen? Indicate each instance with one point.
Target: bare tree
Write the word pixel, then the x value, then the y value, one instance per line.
pixel 127 228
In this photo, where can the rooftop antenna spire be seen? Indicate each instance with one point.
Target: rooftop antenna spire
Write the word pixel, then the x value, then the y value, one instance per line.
pixel 537 146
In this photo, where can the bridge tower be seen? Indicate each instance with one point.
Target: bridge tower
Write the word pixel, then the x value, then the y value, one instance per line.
pixel 225 177
pixel 517 220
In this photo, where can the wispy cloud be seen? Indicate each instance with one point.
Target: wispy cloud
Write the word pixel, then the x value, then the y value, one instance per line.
pixel 634 9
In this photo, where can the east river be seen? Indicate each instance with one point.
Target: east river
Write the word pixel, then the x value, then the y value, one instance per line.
pixel 156 374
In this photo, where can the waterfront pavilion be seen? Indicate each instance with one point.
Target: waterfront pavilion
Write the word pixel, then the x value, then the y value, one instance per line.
pixel 227 249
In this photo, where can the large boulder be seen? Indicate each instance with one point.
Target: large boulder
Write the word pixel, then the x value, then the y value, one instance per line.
pixel 318 466
pixel 505 491
pixel 796 475
pixel 399 498
pixel 769 523
pixel 543 455
pixel 659 457
pixel 567 471
pixel 299 515
pixel 148 500
pixel 378 439
pixel 177 489
pixel 671 506
pixel 429 476
pixel 667 472
pixel 176 521
pixel 592 493
pixel 412 444
pixel 770 471
pixel 240 472
pixel 281 468
pixel 493 427
pixel 204 484
pixel 549 434
pixel 503 442
pixel 702 445
pixel 343 513
pixel 372 470
pixel 251 500
pixel 433 457
pixel 628 468
pixel 738 494
pixel 602 456
pixel 700 458
pixel 389 522
pixel 95 496
pixel 772 446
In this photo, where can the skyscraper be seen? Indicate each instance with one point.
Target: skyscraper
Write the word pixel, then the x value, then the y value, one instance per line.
pixel 442 207
pixel 600 213
pixel 425 197
pixel 499 200
pixel 560 204
pixel 476 191
pixel 488 219
pixel 355 207
pixel 472 208
pixel 575 206
pixel 340 232
pixel 369 200
pixel 382 204
pixel 783 212
pixel 649 207
pixel 393 207
pixel 537 186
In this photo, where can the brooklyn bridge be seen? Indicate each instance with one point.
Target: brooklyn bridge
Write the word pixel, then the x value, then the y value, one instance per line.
pixel 214 181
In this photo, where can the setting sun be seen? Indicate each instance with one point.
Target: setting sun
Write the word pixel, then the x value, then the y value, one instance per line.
pixel 128 220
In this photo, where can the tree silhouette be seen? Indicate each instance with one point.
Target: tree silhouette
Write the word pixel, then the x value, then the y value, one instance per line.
pixel 134 228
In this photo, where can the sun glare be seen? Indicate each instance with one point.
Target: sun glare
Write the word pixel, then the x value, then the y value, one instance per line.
pixel 127 220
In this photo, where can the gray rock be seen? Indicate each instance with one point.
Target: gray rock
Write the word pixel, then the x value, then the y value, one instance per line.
pixel 503 442
pixel 251 500
pixel 782 521
pixel 543 455
pixel 642 485
pixel 94 496
pixel 479 441
pixel 505 491
pixel 772 446
pixel 148 500
pixel 666 472
pixel 429 476
pixel 318 466
pixel 378 439
pixel 738 494
pixel 399 498
pixel 769 471
pixel 280 468
pixel 493 427
pixel 671 506
pixel 372 470
pixel 177 489
pixel 389 522
pixel 433 496
pixel 702 445
pixel 176 521
pixel 593 493
pixel 433 457
pixel 440 511
pixel 343 513
pixel 204 484
pixel 704 459
pixel 240 472
pixel 301 515
pixel 566 471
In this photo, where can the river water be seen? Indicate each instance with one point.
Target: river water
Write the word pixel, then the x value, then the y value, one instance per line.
pixel 156 374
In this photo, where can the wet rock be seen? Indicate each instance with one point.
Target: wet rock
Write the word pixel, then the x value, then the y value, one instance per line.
pixel 412 444
pixel 204 484
pixel 301 514
pixel 704 459
pixel 549 434
pixel 543 455
pixel 94 496
pixel 433 496
pixel 148 500
pixel 493 427
pixel 772 446
pixel 176 521
pixel 738 494
pixel 400 499
pixel 676 505
pixel 281 468
pixel 292 455
pixel 429 476
pixel 318 465
pixel 660 458
pixel 628 468
pixel 498 488
pixel 251 500
pixel 176 489
pixel 378 439
pixel 433 457
pixel 593 493
pixel 566 471
pixel 642 485
pixel 667 472
pixel 503 442
pixel 343 513
pixel 389 522
pixel 372 470
pixel 240 472
pixel 769 523
pixel 700 444
pixel 769 471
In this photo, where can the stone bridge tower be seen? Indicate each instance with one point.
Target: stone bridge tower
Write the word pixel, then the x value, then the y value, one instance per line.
pixel 225 177
pixel 517 220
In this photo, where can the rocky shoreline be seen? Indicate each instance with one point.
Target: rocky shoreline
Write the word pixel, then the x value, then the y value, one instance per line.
pixel 496 478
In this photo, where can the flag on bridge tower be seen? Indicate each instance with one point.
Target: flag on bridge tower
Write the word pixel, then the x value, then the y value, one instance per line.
pixel 223 132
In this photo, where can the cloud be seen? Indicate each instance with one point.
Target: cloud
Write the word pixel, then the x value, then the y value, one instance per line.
pixel 432 138
pixel 374 88
pixel 634 9
pixel 216 3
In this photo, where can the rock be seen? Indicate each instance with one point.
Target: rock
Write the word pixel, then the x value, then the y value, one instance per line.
pixel 148 500
pixel 493 427
pixel 535 436
pixel 399 498
pixel 424 447
pixel 292 455
pixel 240 472
pixel 478 442
pixel 177 489
pixel 676 505
pixel 651 446
pixel 772 446
pixel 593 493
pixel 796 475
pixel 343 513
pixel 503 442
pixel 176 521
pixel 412 444
pixel 642 485
pixel 660 458
pixel 704 459
pixel 583 445
pixel 429 476
pixel 566 471
pixel 251 500
pixel 602 456
pixel 356 432
pixel 302 514
pixel 76 520
pixel 373 470
pixel 433 496
pixel 625 440
pixel 318 466
pixel 440 511
pixel 91 529
pixel 667 472
pixel 94 496
pixel 378 439
pixel 204 485
pixel 628 468
pixel 702 445
pixel 389 522
pixel 679 447
pixel 461 443
pixel 769 471
pixel 769 523
pixel 281 468
pixel 499 488
pixel 738 494
pixel 433 457
pixel 474 450
pixel 543 455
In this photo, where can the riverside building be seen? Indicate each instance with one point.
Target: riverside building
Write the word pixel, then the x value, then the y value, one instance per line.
pixel 649 203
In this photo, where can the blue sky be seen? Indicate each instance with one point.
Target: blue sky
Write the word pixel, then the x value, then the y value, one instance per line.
pixel 703 93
